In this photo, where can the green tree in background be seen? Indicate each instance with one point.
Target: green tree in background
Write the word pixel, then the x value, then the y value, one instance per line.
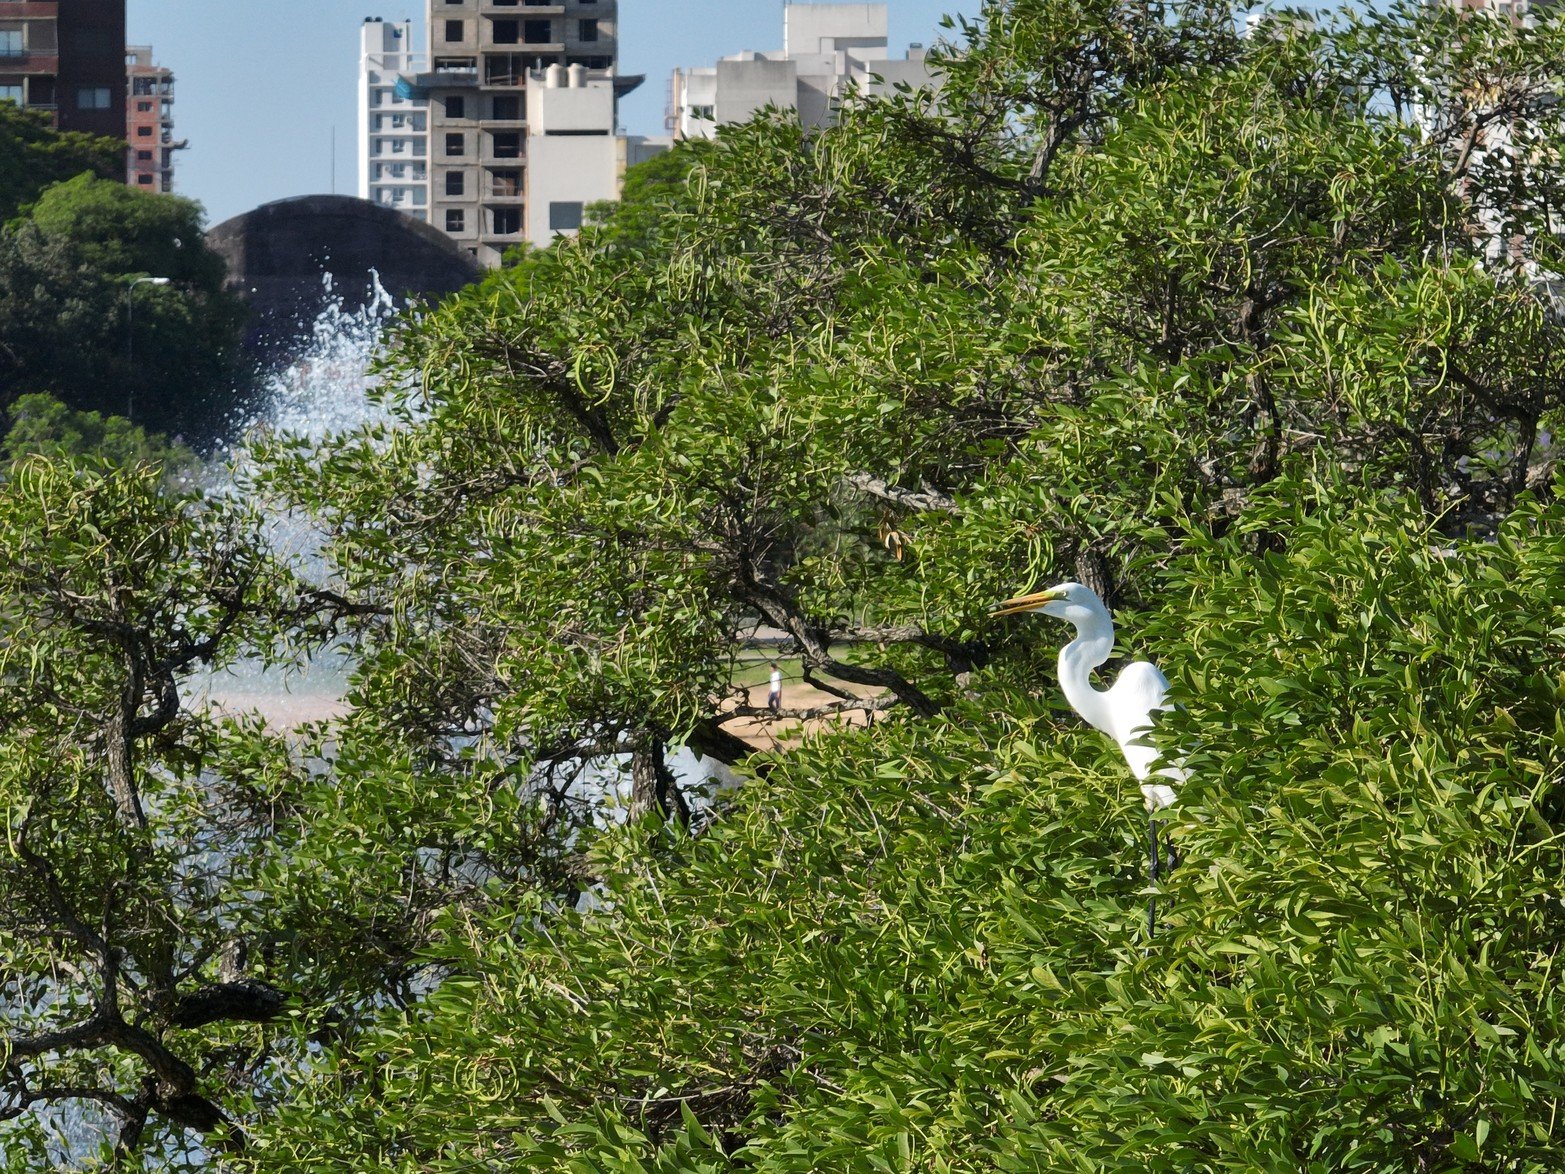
pixel 43 426
pixel 67 327
pixel 33 156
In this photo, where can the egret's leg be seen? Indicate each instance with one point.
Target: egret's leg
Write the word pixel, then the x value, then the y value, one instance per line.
pixel 1152 901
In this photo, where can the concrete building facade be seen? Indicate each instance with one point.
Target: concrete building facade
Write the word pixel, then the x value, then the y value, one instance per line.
pixel 505 130
pixel 827 48
pixel 393 123
pixel 67 58
pixel 149 122
pixel 485 56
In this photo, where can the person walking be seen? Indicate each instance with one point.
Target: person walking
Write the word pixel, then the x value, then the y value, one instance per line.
pixel 774 694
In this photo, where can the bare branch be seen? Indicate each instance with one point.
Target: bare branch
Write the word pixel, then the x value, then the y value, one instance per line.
pixel 925 499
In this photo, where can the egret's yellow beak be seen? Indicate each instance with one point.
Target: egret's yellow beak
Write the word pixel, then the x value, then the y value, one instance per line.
pixel 1020 603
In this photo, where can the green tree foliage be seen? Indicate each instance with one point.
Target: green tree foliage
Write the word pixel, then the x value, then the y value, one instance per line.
pixel 33 155
pixel 1253 334
pixel 67 325
pixel 1210 322
pixel 43 426
pixel 926 949
pixel 128 815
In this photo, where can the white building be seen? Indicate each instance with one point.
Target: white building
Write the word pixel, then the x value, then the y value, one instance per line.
pixel 393 123
pixel 574 156
pixel 827 48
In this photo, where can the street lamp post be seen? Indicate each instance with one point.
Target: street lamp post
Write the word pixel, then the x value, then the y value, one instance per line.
pixel 130 340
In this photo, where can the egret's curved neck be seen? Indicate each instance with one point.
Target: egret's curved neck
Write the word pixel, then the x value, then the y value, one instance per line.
pixel 1094 641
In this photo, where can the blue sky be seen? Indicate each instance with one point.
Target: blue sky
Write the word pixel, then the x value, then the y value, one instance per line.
pixel 259 87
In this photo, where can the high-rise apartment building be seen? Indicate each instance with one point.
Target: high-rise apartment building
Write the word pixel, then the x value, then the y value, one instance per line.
pixel 66 57
pixel 826 49
pixel 393 122
pixel 483 54
pixel 149 122
pixel 506 129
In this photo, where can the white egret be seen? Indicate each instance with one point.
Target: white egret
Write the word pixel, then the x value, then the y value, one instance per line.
pixel 1125 711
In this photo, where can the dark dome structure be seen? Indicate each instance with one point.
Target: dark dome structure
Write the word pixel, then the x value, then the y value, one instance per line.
pixel 278 256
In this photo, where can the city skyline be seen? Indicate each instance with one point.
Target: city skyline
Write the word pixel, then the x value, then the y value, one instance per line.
pixel 259 101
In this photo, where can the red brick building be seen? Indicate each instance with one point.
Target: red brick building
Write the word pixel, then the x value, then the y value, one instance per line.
pixel 149 122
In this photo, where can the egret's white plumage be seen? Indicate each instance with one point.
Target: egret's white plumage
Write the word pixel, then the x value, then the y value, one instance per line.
pixel 1126 710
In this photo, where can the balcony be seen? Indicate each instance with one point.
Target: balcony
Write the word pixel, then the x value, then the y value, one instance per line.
pixel 29 63
pixel 24 10
pixel 449 77
pixel 511 68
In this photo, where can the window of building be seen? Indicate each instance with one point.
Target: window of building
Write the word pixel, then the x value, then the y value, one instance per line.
pixel 456 145
pixel 12 43
pixel 454 184
pixel 143 132
pixel 507 32
pixel 507 221
pixel 588 30
pixel 505 183
pixel 399 146
pixel 143 107
pixel 143 156
pixel 456 220
pixel 456 30
pixel 564 216
pixel 507 107
pixel 92 98
pixel 142 85
pixel 505 69
pixel 456 106
pixel 11 93
pixel 537 32
pixel 144 178
pixel 503 3
pixel 507 144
